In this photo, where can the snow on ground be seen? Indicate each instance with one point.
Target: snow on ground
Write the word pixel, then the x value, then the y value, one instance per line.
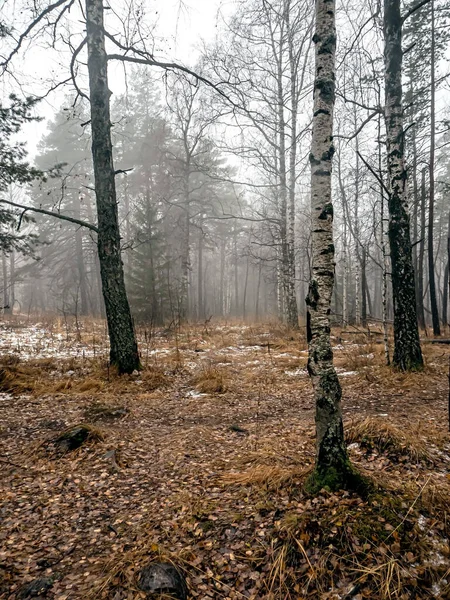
pixel 37 342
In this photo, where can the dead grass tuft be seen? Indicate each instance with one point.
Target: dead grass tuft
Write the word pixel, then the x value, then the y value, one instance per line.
pixel 154 378
pixel 382 436
pixel 266 475
pixel 17 379
pixel 210 380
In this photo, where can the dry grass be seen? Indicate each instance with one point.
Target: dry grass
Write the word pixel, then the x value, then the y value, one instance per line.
pixel 379 434
pixel 266 475
pixel 105 412
pixel 48 376
pixel 198 487
pixel 209 380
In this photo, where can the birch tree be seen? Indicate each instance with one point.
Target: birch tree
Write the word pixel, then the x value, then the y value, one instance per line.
pixel 407 351
pixel 332 468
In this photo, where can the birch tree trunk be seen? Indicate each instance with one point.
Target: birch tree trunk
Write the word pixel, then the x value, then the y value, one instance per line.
pixel 407 351
pixel 332 468
pixel 123 346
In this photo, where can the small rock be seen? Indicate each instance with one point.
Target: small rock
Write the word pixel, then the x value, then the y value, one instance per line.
pixel 37 587
pixel 162 578
pixel 74 438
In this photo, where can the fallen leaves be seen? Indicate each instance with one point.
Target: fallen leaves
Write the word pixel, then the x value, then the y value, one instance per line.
pixel 213 483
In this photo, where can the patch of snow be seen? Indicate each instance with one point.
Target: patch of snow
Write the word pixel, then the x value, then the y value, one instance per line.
pixel 297 373
pixel 194 394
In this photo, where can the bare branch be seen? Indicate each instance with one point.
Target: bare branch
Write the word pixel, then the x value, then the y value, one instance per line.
pixel 49 213
pixel 413 9
pixel 375 174
pixel 30 27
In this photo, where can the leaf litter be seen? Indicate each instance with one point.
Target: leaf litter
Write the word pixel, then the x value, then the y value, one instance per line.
pixel 211 481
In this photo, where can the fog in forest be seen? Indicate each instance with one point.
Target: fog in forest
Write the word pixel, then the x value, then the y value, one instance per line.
pixel 212 169
pixel 224 299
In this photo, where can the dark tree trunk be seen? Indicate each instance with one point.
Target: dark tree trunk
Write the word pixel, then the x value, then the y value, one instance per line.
pixel 123 346
pixel 363 287
pixel 6 305
pixel 236 278
pixel 222 278
pixel 244 297
pixel 82 277
pixel 431 272
pixel 407 351
pixel 200 307
pixel 446 280
pixel 186 253
pixel 12 278
pixel 258 287
pixel 420 259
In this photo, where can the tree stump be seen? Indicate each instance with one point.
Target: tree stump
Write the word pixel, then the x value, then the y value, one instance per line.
pixel 160 578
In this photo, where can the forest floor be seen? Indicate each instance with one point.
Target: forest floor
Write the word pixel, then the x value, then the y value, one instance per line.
pixel 199 460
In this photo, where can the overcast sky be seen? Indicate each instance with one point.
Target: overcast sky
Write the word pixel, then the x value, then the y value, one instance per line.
pixel 180 26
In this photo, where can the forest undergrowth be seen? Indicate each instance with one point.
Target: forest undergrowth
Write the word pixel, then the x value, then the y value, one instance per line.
pixel 200 458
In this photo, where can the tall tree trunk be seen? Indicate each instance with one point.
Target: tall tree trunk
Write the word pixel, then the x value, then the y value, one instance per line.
pixel 222 308
pixel 363 287
pixel 123 347
pixel 446 279
pixel 156 313
pixel 258 288
pixel 82 277
pixel 407 351
pixel 420 258
pixel 6 306
pixel 415 210
pixel 431 271
pixel 12 280
pixel 332 468
pixel 345 278
pixel 292 298
pixel 385 267
pixel 200 307
pixel 244 296
pixel 357 291
pixel 185 257
pixel 236 277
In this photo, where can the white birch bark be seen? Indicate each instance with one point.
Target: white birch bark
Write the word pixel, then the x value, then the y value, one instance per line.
pixel 332 469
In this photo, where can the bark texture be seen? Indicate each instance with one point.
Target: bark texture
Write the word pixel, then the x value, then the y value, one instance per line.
pixel 332 469
pixel 407 351
pixel 431 270
pixel 123 346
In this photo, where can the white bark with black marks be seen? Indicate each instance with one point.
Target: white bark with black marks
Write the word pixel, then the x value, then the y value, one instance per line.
pixel 332 467
pixel 407 351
